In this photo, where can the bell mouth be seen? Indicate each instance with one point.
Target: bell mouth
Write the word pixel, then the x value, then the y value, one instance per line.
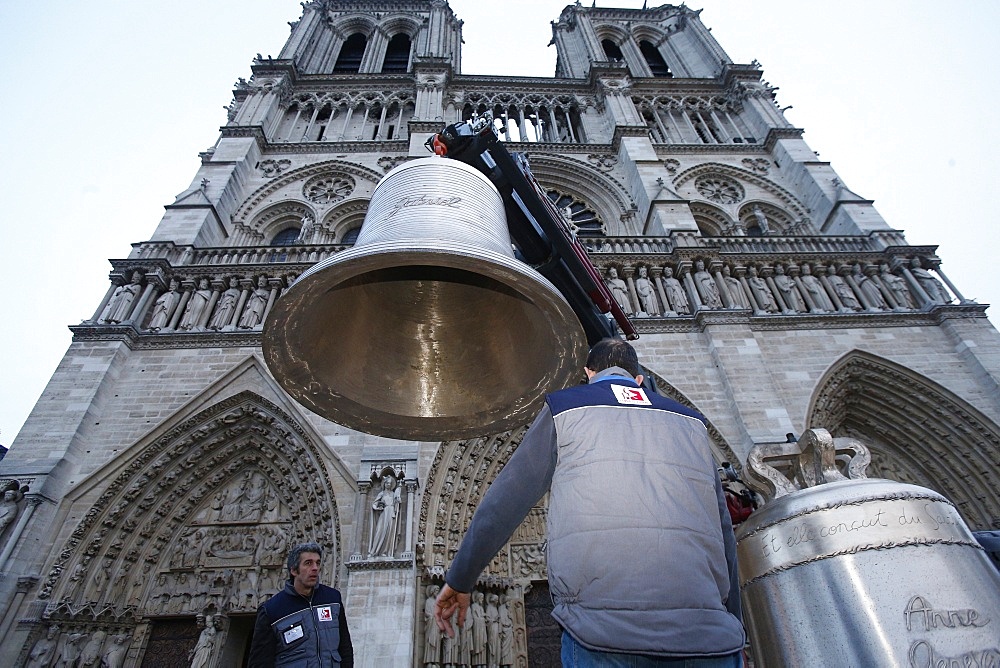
pixel 423 340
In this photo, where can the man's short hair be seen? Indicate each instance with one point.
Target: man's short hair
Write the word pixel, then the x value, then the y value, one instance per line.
pixel 607 353
pixel 296 554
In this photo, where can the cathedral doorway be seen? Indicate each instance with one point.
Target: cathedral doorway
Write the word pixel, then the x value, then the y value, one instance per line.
pixel 544 634
pixel 170 643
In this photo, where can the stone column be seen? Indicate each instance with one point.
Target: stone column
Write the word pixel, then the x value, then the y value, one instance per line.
pixel 188 287
pixel 275 285
pixel 104 303
pixel 32 502
pixel 24 585
pixel 411 496
pixel 656 273
pixel 135 317
pixel 715 268
pixel 360 511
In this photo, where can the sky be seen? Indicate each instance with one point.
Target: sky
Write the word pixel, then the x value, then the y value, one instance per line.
pixel 107 104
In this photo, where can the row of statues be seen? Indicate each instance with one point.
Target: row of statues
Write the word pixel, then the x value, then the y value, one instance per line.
pixel 230 304
pixel 485 640
pixel 778 290
pixel 73 648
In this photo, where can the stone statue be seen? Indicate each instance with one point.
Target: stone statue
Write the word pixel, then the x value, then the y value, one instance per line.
pixel 43 651
pixel 789 291
pixel 91 654
pixel 843 290
pixel 897 286
pixel 816 291
pixel 118 308
pixel 306 232
pixel 479 634
pixel 9 508
pixel 195 306
pixel 869 289
pixel 70 654
pixel 493 629
pixel 931 285
pixel 384 518
pixel 735 288
pixel 226 306
pixel 761 220
pixel 707 288
pixel 619 290
pixel 506 652
pixel 647 295
pixel 253 313
pixel 114 657
pixel 432 634
pixel 765 299
pixel 163 308
pixel 201 655
pixel 675 292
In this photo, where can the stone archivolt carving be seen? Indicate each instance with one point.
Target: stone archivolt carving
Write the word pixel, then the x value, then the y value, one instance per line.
pixel 200 519
pixel 886 405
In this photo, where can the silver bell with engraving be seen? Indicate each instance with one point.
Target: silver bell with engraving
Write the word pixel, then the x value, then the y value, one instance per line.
pixel 842 570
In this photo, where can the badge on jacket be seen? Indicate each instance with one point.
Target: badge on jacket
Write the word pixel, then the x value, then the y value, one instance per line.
pixel 631 396
pixel 324 614
pixel 292 634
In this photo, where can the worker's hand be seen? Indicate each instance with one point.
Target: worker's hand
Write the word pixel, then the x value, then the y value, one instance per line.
pixel 448 601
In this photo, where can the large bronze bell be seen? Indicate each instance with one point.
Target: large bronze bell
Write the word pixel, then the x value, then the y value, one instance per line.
pixel 428 328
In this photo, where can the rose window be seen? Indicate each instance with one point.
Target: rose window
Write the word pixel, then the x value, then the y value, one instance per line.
pixel 327 189
pixel 719 189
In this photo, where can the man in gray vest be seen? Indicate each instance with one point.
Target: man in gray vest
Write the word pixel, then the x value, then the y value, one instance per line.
pixel 304 624
pixel 641 553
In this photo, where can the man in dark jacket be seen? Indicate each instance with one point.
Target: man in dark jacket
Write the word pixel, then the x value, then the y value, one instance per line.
pixel 641 553
pixel 304 624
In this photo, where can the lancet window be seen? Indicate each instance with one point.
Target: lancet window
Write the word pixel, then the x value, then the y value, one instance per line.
pixel 397 54
pixel 527 121
pixel 351 53
pixel 612 50
pixel 654 59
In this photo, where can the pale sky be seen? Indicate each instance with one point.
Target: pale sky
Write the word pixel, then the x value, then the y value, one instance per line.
pixel 107 104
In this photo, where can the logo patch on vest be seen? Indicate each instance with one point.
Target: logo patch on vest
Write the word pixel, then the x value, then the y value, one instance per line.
pixel 324 614
pixel 631 396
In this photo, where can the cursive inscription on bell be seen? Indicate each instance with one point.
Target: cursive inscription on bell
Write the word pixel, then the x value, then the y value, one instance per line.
pixel 423 200
pixel 923 655
pixel 921 616
pixel 827 532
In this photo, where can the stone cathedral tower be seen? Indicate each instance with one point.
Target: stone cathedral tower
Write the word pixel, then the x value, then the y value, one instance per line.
pixel 163 473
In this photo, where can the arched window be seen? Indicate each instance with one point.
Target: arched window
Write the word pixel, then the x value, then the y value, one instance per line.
pixel 286 237
pixel 351 53
pixel 654 59
pixel 611 50
pixel 397 54
pixel 351 236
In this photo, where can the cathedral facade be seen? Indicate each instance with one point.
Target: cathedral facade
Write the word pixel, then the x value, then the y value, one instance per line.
pixel 153 492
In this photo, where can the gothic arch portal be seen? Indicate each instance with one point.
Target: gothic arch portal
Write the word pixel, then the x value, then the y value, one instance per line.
pixel 194 521
pixel 918 432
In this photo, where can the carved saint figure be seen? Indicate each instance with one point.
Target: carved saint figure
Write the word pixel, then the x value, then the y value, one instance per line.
pixel 493 629
pixel 91 654
pixel 479 634
pixel 118 308
pixel 70 654
pixel 765 299
pixel 201 655
pixel 735 288
pixel 253 313
pixel 761 220
pixel 432 634
pixel 226 307
pixel 44 649
pixel 195 306
pixel 931 285
pixel 897 286
pixel 789 292
pixel 306 232
pixel 843 290
pixel 9 509
pixel 675 292
pixel 647 294
pixel 164 307
pixel 619 290
pixel 114 657
pixel 384 512
pixel 707 288
pixel 816 291
pixel 869 289
pixel 506 653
